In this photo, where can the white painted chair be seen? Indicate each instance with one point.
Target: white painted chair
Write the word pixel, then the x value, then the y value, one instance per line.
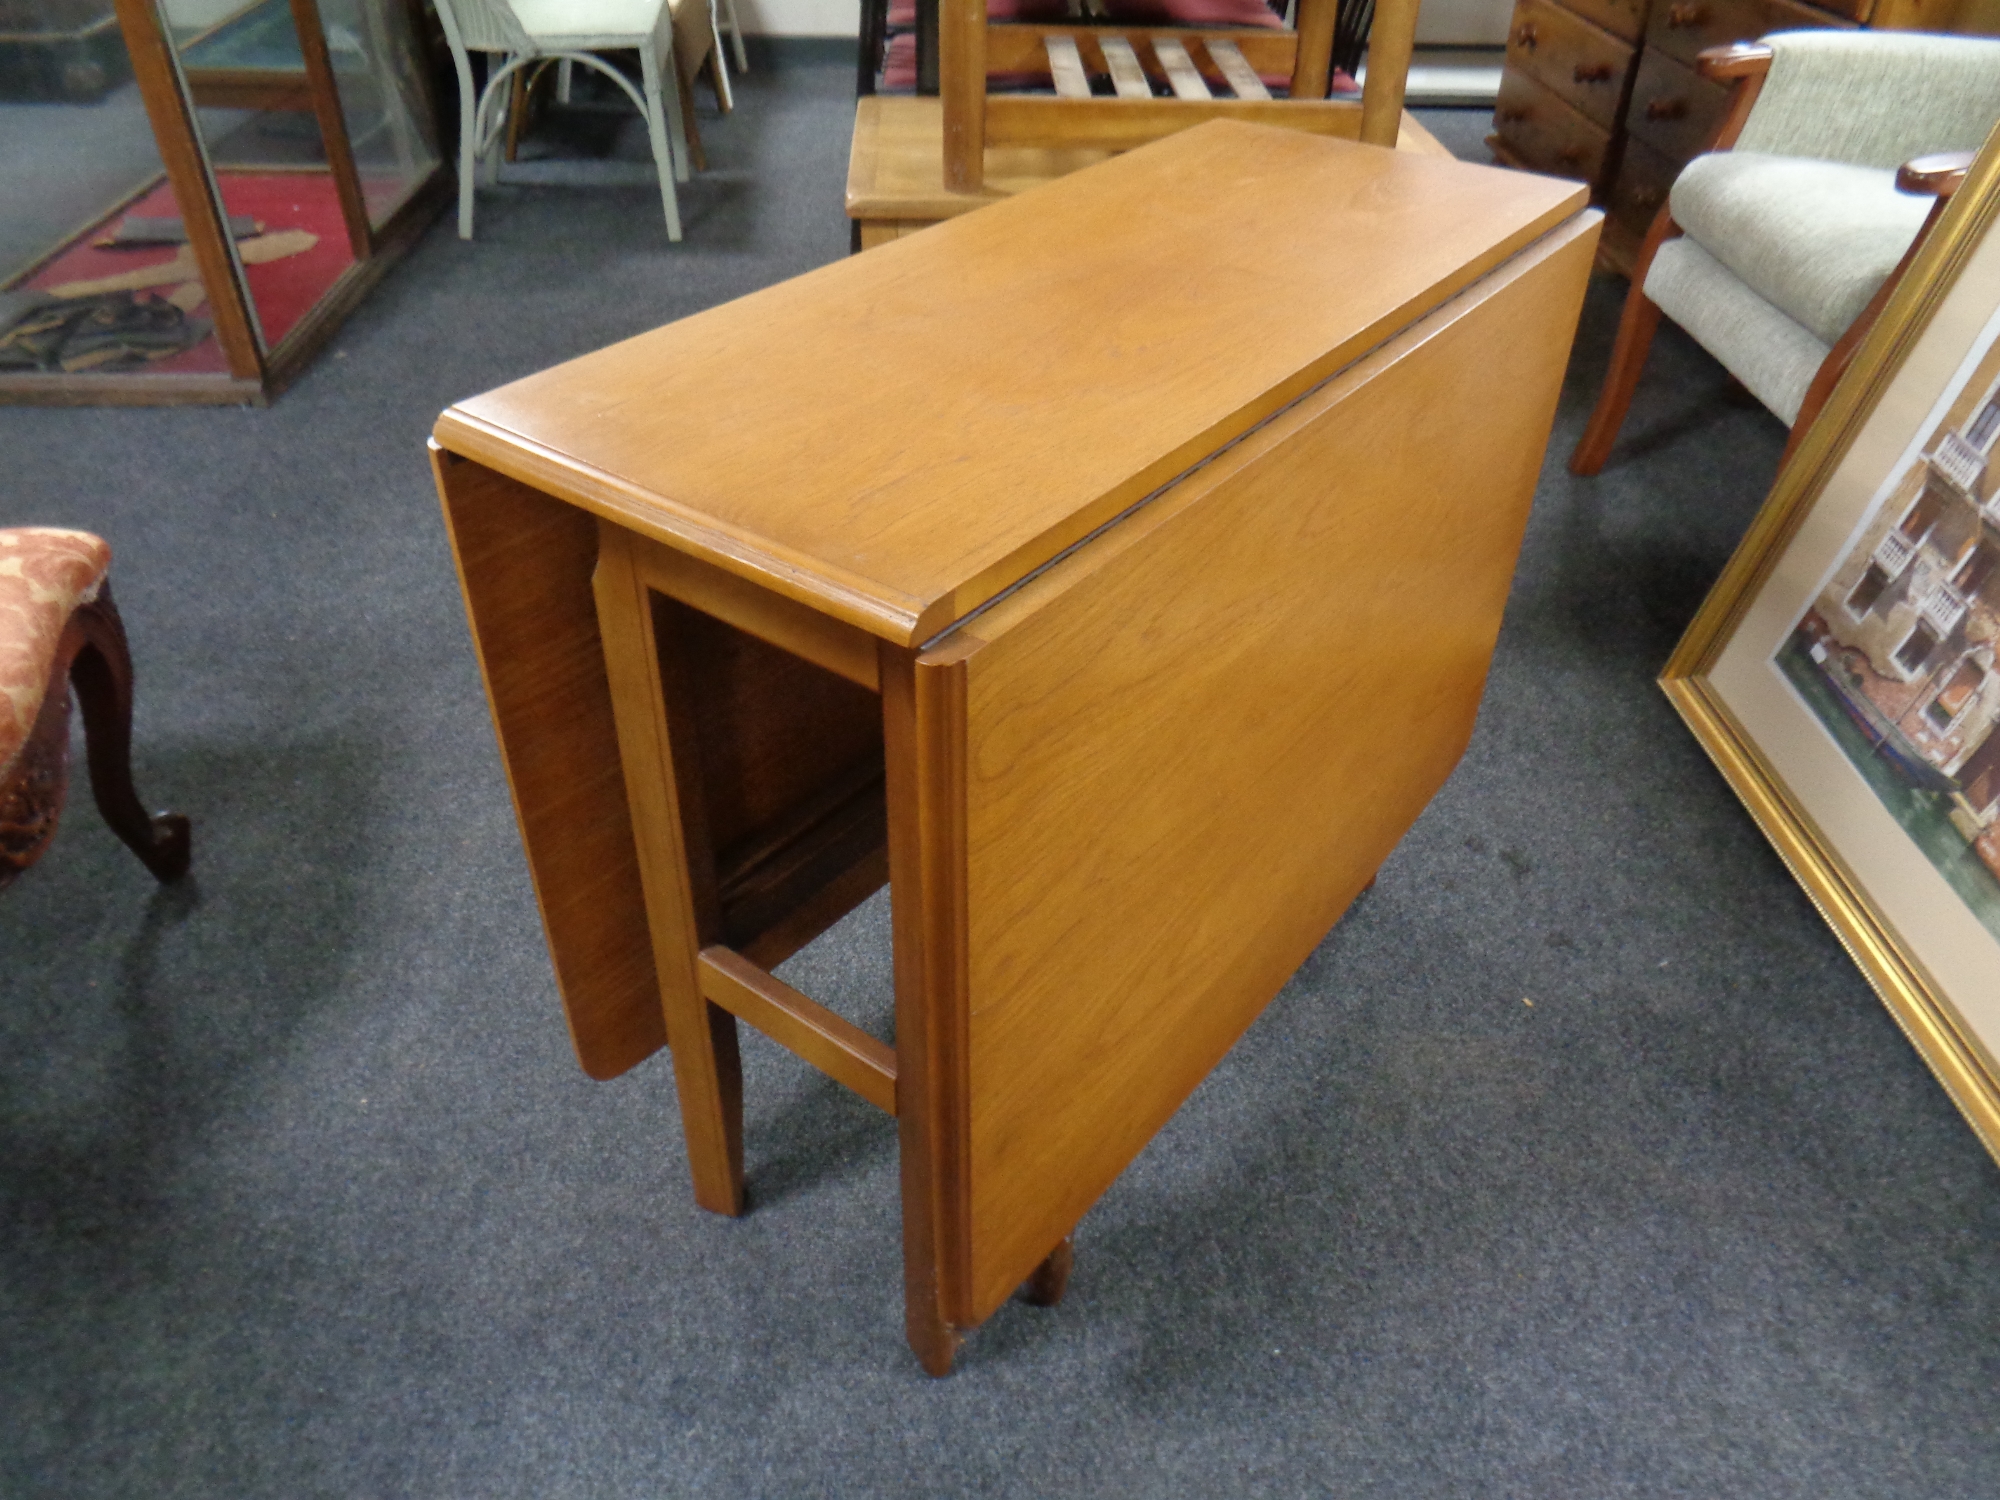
pixel 725 11
pixel 526 32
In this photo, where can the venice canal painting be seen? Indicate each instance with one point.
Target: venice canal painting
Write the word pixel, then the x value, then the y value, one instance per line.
pixel 1895 656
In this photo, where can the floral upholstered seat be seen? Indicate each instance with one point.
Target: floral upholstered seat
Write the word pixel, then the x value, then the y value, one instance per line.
pixel 59 631
pixel 44 575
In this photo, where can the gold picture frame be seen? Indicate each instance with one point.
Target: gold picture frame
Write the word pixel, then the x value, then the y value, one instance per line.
pixel 1842 672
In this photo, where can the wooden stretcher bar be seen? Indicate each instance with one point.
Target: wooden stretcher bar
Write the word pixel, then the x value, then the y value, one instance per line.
pixel 801 1025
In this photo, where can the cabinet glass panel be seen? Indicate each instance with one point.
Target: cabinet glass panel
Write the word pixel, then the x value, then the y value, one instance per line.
pixel 96 280
pixel 383 100
pixel 258 114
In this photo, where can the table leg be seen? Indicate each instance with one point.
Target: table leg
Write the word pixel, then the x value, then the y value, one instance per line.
pixel 1050 1280
pixel 676 867
pixel 925 838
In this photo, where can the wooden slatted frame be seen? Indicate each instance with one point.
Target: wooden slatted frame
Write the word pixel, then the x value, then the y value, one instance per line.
pixel 1066 66
pixel 971 47
pixel 1229 58
pixel 1180 69
pixel 1128 74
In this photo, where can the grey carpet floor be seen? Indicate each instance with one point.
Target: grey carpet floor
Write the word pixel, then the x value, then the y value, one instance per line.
pixel 302 1193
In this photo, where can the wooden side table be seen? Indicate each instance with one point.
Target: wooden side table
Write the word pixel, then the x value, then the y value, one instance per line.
pixel 1123 617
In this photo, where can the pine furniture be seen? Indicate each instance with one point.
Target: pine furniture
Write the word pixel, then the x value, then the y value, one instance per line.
pixel 1122 618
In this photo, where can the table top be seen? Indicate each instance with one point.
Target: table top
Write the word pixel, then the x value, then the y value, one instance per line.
pixel 898 437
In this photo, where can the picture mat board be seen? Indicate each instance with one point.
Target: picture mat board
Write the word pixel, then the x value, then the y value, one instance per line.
pixel 1961 957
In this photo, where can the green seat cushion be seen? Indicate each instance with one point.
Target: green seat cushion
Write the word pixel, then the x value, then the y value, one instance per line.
pixel 1813 238
pixel 1754 341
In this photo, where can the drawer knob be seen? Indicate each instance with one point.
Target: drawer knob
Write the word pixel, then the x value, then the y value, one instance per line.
pixel 1592 72
pixel 1569 156
pixel 1679 16
pixel 1666 109
pixel 1525 35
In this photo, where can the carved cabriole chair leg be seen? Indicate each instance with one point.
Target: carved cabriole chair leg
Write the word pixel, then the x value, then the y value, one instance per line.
pixel 31 801
pixel 101 672
pixel 92 658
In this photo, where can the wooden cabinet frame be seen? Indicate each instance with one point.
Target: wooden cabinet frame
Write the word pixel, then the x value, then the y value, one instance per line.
pixel 257 370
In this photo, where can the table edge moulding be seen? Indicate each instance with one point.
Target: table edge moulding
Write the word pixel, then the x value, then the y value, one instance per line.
pixel 1355 247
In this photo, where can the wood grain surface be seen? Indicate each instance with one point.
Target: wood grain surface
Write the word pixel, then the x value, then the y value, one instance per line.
pixel 923 722
pixel 1030 371
pixel 895 166
pixel 1189 744
pixel 1583 63
pixel 524 562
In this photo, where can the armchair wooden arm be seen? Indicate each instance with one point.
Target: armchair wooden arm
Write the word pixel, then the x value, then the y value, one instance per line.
pixel 1941 174
pixel 1743 66
pixel 1734 60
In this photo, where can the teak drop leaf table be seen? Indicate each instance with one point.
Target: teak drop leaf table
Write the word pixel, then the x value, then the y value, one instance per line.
pixel 1114 571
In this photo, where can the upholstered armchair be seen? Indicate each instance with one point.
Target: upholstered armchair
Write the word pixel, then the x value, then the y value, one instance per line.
pixel 59 630
pixel 1777 248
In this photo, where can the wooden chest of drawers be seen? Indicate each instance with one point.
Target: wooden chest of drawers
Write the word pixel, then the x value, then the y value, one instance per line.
pixel 1604 91
pixel 1573 58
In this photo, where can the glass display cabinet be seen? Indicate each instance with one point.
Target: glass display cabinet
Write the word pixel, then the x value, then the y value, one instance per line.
pixel 193 193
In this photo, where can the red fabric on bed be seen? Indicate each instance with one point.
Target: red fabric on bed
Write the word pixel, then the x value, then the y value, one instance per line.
pixel 283 290
pixel 899 69
pixel 1195 13
pixel 903 13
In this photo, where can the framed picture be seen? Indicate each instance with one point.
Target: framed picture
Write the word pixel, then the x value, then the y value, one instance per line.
pixel 1845 671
